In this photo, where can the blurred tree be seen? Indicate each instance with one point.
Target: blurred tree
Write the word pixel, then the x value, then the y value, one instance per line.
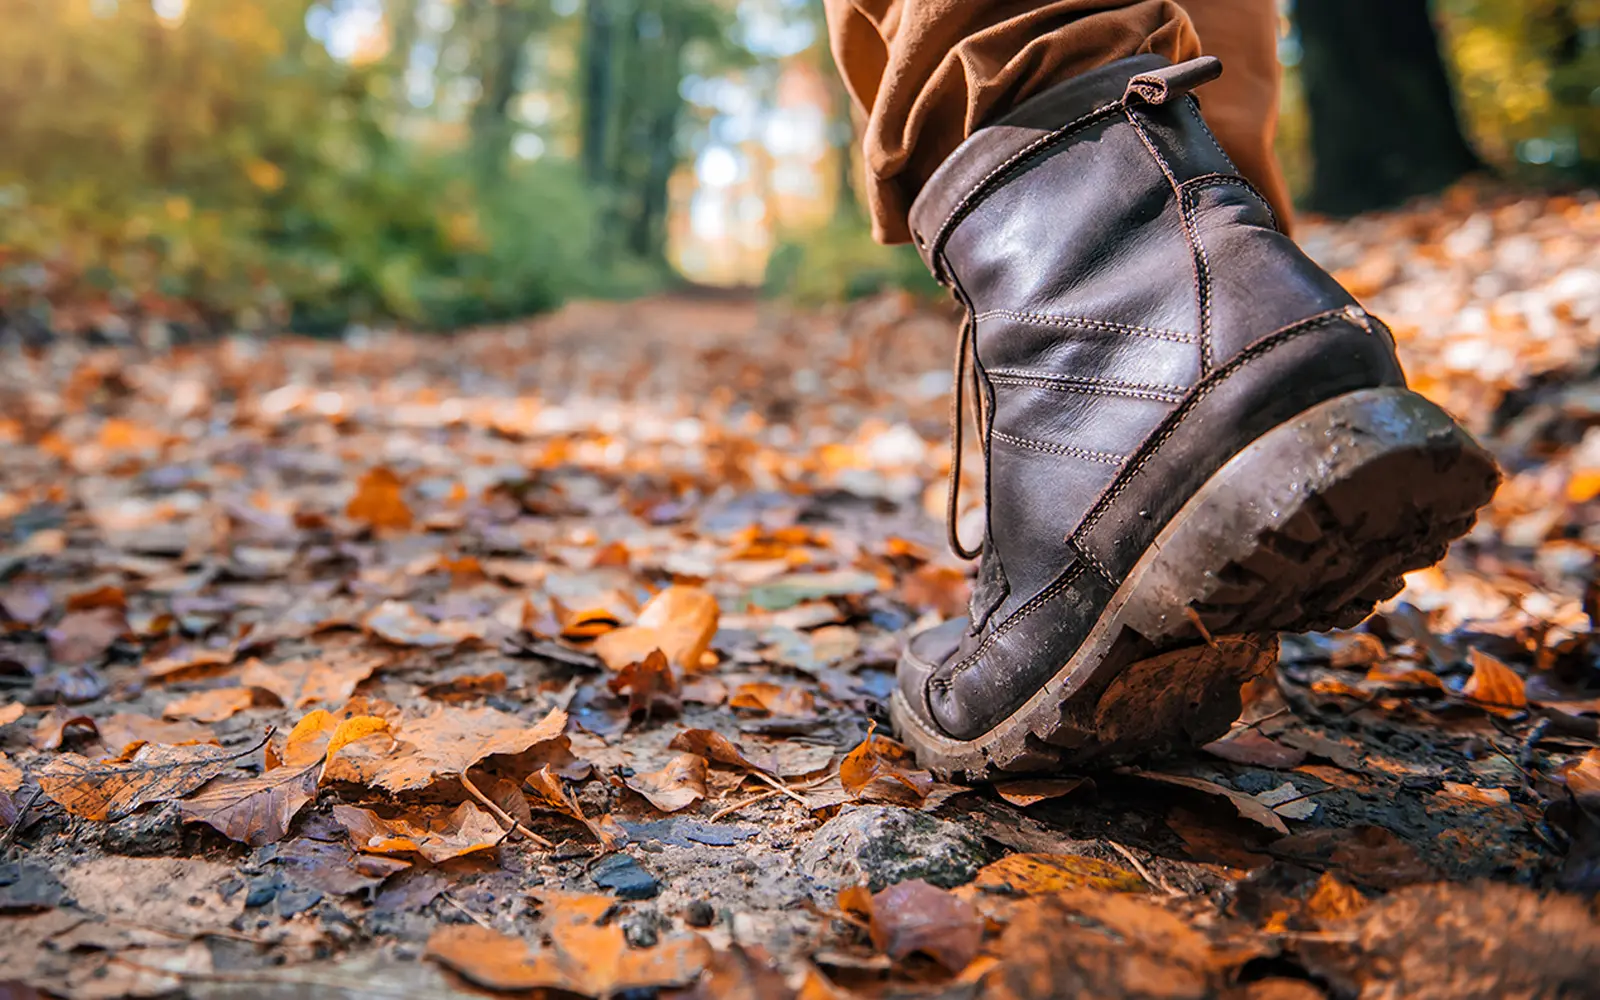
pixel 1382 115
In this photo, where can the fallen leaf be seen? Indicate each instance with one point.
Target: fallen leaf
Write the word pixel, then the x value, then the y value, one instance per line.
pixel 713 746
pixel 1367 855
pixel 445 744
pixel 111 789
pixel 551 794
pixel 189 663
pixel 741 973
pixel 1493 684
pixel 650 684
pixel 913 916
pixel 254 811
pixel 1583 779
pixel 1334 899
pixel 433 833
pixel 1248 746
pixel 11 713
pixel 334 867
pixel 299 683
pixel 1028 791
pixel 678 785
pixel 468 687
pixel 11 776
pixel 679 621
pixel 1031 874
pixel 52 727
pixel 1248 807
pixel 123 728
pixel 25 605
pixel 380 501
pixel 85 636
pixel 214 705
pixel 786 700
pixel 584 959
pixel 882 770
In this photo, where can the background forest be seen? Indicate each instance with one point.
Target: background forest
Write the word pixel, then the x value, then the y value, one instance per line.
pixel 260 164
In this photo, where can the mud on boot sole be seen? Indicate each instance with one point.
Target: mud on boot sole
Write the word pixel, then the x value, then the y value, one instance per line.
pixel 1306 528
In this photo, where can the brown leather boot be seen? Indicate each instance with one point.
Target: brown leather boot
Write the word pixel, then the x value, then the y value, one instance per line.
pixel 1194 437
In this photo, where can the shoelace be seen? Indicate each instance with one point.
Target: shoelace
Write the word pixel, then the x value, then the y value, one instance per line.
pixel 966 363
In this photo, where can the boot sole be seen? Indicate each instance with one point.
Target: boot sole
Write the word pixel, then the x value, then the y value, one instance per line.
pixel 1305 529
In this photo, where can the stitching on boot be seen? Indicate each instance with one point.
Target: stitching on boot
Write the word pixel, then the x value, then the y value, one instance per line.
pixel 1193 104
pixel 1196 251
pixel 1234 180
pixel 1107 326
pixel 1090 386
pixel 1263 346
pixel 1050 593
pixel 1102 457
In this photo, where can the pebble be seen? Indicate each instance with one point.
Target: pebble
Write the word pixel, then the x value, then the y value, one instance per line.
pixel 883 845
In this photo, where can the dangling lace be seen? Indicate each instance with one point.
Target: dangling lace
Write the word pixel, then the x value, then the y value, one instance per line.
pixel 966 362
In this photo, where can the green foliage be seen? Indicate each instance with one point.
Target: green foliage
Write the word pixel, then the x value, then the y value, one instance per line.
pixel 225 168
pixel 840 261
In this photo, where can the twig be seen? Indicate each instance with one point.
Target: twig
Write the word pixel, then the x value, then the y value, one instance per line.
pixel 781 787
pixel 764 796
pixel 1200 626
pixel 1144 873
pixel 480 921
pixel 500 814
pixel 16 824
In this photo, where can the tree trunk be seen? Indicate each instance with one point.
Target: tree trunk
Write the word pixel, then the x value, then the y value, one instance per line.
pixel 1382 113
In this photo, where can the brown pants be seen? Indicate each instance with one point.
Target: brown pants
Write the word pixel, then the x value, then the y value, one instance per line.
pixel 927 73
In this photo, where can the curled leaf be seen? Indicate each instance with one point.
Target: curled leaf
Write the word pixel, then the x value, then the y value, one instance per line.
pixel 111 789
pixel 678 785
pixel 882 770
pixel 433 833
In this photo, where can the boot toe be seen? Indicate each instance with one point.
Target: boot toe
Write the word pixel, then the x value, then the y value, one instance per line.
pixel 924 653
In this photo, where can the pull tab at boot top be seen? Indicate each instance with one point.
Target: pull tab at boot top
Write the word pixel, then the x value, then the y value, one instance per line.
pixel 1158 86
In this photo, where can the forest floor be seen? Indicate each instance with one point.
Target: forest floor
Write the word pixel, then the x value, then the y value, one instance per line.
pixel 548 657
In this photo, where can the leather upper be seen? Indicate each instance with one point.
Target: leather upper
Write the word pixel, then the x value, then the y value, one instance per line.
pixel 1139 318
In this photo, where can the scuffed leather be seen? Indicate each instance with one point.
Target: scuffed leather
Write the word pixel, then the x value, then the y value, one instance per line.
pixel 1139 319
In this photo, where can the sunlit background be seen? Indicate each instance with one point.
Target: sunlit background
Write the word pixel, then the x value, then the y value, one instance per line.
pixel 445 162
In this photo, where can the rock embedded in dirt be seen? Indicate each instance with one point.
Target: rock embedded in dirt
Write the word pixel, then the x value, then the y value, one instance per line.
pixel 883 845
pixel 624 877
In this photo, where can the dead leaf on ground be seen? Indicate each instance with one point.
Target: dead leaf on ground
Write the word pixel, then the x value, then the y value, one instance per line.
pixel 1248 807
pixel 11 776
pixel 468 687
pixel 912 916
pixel 783 700
pixel 189 663
pixel 380 501
pixel 51 729
pixel 1031 874
pixel 11 713
pixel 299 683
pixel 1029 791
pixel 551 794
pixel 1494 685
pixel 1366 855
pixel 741 973
pixel 112 789
pixel 883 770
pixel 713 746
pixel 680 621
pixel 581 958
pixel 678 785
pixel 1583 779
pixel 443 744
pixel 214 705
pixel 254 811
pixel 403 625
pixel 434 833
pixel 1249 746
pixel 651 686
pixel 119 730
pixel 85 636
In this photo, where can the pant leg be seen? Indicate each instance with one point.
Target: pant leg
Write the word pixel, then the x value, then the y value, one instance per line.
pixel 927 73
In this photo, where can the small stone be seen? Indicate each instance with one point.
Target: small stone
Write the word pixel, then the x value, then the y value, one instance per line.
pixel 883 845
pixel 699 914
pixel 624 877
pixel 263 890
pixel 641 933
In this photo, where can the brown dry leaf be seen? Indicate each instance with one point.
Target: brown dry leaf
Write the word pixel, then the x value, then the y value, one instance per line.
pixel 784 700
pixel 52 727
pixel 299 683
pixel 254 811
pixel 111 789
pixel 1031 874
pixel 703 690
pixel 713 746
pixel 85 636
pixel 882 770
pixel 403 625
pixel 380 501
pixel 445 744
pixel 1494 685
pixel 11 776
pixel 580 958
pixel 100 597
pixel 678 785
pixel 741 973
pixel 551 794
pixel 189 663
pixel 123 728
pixel 913 916
pixel 468 687
pixel 1396 676
pixel 651 686
pixel 1334 899
pixel 1028 791
pixel 1248 807
pixel 679 621
pixel 11 713
pixel 1583 779
pixel 1248 746
pixel 214 705
pixel 600 613
pixel 431 832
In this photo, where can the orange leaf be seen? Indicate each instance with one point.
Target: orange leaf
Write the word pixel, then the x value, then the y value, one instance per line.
pixel 881 770
pixel 581 958
pixel 650 684
pixel 11 713
pixel 10 775
pixel 552 795
pixel 433 833
pixel 124 728
pixel 679 621
pixel 254 811
pixel 1032 874
pixel 380 501
pixel 1028 791
pixel 786 700
pixel 1494 684
pixel 112 789
pixel 299 683
pixel 678 785
pixel 913 916
pixel 211 706
pixel 444 745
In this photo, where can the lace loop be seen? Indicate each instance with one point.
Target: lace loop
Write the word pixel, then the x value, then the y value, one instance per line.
pixel 966 364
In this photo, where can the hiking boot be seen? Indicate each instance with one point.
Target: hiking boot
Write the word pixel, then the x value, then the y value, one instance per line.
pixel 1195 438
